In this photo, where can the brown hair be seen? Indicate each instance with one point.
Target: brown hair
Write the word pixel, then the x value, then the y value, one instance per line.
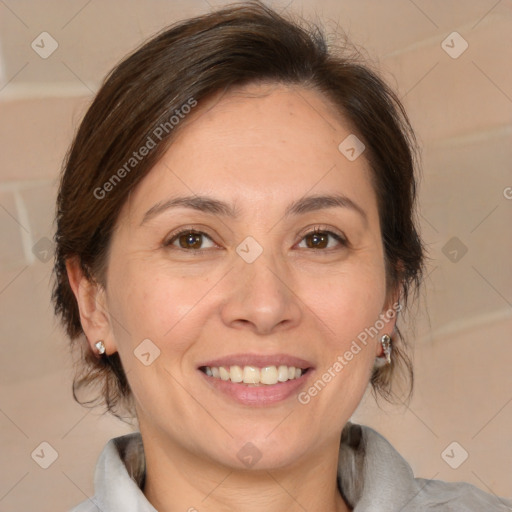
pixel 189 62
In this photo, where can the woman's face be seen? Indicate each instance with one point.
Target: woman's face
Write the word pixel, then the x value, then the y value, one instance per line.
pixel 252 286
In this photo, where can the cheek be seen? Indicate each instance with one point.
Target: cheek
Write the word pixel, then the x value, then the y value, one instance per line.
pixel 348 305
pixel 349 308
pixel 348 302
pixel 151 304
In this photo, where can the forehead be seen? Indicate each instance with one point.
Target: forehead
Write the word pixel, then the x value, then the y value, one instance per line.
pixel 272 143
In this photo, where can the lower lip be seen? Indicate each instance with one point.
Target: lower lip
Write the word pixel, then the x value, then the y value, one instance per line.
pixel 263 394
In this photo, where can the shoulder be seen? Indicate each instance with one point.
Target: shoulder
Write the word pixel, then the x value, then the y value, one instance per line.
pixel 458 497
pixel 371 472
pixel 118 477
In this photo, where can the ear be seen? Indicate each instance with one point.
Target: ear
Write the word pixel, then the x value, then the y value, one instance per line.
pixel 389 314
pixel 91 299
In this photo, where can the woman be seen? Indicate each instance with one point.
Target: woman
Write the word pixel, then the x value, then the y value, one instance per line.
pixel 235 239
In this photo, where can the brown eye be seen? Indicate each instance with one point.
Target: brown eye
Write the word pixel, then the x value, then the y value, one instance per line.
pixel 320 239
pixel 188 240
pixel 317 240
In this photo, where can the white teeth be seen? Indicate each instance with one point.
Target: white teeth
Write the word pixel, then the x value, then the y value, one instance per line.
pixel 224 374
pixel 268 375
pixel 235 374
pixel 282 375
pixel 252 375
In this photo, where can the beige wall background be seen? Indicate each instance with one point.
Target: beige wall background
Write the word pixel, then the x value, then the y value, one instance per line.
pixel 460 102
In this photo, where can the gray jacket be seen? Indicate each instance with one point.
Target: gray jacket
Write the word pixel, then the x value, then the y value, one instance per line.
pixel 372 475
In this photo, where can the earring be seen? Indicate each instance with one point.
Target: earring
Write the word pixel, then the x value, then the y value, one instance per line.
pixel 100 346
pixel 386 347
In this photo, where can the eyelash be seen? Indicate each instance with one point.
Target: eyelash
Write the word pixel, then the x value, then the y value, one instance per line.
pixel 317 230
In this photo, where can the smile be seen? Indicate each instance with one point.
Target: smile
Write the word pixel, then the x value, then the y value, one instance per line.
pixel 253 375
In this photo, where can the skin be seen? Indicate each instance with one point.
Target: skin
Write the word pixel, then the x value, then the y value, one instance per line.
pixel 259 148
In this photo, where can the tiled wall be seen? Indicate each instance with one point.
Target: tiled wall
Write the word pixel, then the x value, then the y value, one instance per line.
pixel 462 110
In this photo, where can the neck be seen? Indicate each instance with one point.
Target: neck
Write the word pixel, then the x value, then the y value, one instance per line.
pixel 177 479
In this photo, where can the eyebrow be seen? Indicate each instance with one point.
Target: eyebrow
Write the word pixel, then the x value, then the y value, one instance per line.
pixel 214 206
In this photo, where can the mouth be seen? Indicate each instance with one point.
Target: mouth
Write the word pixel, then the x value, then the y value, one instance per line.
pixel 256 379
pixel 255 376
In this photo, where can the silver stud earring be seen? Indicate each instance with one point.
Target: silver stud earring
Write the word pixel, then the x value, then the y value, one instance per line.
pixel 386 346
pixel 386 357
pixel 100 346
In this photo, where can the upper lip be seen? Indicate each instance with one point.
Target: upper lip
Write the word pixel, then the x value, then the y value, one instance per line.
pixel 258 360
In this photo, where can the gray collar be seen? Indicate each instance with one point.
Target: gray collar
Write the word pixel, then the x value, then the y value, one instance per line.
pixel 372 477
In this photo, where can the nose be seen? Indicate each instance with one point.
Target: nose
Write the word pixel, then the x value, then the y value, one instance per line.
pixel 260 296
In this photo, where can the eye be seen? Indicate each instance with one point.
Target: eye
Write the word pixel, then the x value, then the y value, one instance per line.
pixel 319 239
pixel 188 239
